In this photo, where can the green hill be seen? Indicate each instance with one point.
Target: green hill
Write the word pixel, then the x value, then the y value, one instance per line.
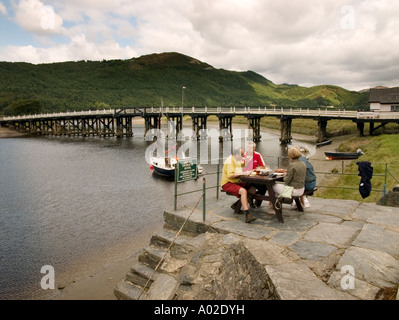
pixel 147 80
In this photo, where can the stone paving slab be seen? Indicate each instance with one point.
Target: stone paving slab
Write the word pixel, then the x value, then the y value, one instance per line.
pixel 247 230
pixel 311 250
pixel 266 253
pixel 286 237
pixel 378 238
pixel 336 234
pixel 389 219
pixel 375 267
pixel 361 289
pixel 291 278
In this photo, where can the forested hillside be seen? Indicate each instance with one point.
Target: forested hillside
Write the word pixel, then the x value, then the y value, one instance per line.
pixel 145 81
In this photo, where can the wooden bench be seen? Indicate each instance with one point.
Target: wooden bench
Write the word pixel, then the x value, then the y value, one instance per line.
pixel 236 206
pixel 297 199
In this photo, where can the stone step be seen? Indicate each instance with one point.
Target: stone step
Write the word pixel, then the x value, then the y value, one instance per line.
pixel 125 290
pixel 193 227
pixel 151 256
pixel 140 273
pixel 164 238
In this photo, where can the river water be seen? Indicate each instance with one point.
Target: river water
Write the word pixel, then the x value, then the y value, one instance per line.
pixel 79 203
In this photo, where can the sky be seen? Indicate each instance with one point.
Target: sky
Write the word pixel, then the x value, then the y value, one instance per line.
pixel 349 43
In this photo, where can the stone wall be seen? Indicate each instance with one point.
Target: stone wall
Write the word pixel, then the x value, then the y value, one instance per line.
pixel 391 199
pixel 224 269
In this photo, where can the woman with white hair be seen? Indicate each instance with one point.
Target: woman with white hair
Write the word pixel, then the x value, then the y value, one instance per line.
pixel 295 176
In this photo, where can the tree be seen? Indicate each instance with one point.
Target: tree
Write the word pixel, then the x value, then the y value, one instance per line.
pixel 23 107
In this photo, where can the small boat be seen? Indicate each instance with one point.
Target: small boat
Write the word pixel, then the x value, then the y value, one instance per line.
pixel 324 143
pixel 343 155
pixel 166 166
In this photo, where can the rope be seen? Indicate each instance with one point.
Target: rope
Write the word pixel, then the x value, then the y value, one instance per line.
pixel 170 246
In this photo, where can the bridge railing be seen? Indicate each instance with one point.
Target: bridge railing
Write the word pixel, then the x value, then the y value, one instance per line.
pixel 378 115
pixel 61 114
pixel 342 113
pixel 255 110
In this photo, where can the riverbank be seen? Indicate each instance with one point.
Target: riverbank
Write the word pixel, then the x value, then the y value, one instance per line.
pixel 8 133
pixel 100 285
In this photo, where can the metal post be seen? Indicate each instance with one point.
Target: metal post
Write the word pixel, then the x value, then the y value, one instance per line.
pixel 384 190
pixel 175 204
pixel 203 199
pixel 217 181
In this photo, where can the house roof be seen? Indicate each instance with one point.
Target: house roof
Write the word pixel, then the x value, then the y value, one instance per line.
pixel 384 95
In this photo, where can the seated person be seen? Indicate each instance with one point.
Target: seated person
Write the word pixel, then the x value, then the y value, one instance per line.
pixel 254 160
pixel 232 170
pixel 296 174
pixel 310 181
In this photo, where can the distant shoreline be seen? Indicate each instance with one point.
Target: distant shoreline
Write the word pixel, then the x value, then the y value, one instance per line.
pixel 9 133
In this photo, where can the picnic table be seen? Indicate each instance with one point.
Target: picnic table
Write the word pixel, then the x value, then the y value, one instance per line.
pixel 269 181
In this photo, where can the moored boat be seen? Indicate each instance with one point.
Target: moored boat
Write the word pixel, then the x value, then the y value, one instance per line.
pixel 323 143
pixel 343 155
pixel 166 166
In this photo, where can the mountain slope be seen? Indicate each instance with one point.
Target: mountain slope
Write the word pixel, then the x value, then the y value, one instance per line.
pixel 147 80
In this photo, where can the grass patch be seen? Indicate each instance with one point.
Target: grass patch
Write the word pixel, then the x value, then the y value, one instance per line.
pixel 379 151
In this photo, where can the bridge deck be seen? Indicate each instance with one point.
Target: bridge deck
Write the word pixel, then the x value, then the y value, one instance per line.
pixel 118 121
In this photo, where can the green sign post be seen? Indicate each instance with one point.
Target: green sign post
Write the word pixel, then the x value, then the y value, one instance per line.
pixel 186 170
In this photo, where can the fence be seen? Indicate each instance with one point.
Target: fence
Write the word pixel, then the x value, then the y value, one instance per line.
pixel 204 188
pixel 384 175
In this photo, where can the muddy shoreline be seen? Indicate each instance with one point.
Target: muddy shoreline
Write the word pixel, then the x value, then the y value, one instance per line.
pixel 9 133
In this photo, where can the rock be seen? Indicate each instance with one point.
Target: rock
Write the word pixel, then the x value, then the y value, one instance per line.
pixel 375 267
pixel 295 281
pixel 163 288
pixel 362 290
pixel 265 252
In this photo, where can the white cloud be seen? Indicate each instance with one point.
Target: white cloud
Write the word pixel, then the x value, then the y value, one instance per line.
pixel 3 8
pixel 343 42
pixel 68 52
pixel 38 18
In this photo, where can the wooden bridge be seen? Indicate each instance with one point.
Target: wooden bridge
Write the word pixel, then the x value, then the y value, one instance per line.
pixel 118 122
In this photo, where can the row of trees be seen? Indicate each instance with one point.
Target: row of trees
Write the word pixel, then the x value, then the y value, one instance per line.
pixel 139 82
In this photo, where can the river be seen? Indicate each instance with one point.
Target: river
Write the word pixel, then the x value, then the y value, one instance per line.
pixel 79 203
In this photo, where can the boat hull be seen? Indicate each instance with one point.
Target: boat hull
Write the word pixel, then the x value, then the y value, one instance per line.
pixel 163 166
pixel 166 167
pixel 164 172
pixel 341 155
pixel 324 143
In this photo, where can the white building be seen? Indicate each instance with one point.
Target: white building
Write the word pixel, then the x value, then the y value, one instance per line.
pixel 384 99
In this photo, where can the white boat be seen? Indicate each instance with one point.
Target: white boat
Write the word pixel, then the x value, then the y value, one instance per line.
pixel 165 166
